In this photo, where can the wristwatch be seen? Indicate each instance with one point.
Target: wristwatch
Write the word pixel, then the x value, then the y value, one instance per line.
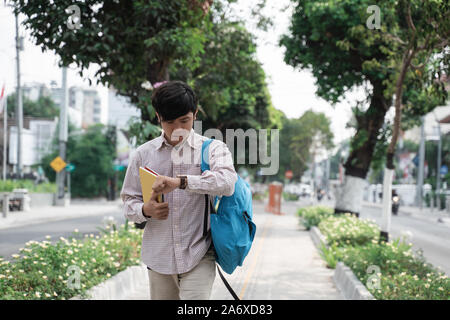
pixel 183 183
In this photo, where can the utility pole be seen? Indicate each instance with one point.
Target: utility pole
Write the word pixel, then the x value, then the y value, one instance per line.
pixel 420 173
pixel 19 107
pixel 60 176
pixel 438 170
pixel 5 134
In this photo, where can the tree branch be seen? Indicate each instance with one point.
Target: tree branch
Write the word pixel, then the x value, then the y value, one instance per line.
pixel 409 19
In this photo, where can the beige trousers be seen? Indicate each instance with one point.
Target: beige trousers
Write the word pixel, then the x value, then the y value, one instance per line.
pixel 192 285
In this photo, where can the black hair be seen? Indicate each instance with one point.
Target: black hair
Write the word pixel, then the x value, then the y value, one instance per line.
pixel 174 99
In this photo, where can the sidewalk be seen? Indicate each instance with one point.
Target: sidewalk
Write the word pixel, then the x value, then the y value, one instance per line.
pixel 283 264
pixel 416 212
pixel 76 209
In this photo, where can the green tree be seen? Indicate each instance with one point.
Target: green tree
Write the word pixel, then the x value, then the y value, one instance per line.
pixel 130 42
pixel 44 107
pixel 331 39
pixel 300 139
pixel 92 153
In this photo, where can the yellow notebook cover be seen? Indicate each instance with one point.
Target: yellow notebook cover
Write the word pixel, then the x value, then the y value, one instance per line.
pixel 148 177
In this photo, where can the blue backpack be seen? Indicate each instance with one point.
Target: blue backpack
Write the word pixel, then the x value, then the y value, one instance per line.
pixel 232 228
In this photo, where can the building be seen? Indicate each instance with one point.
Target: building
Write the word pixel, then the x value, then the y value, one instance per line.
pixel 92 110
pixel 37 136
pixel 432 120
pixel 120 110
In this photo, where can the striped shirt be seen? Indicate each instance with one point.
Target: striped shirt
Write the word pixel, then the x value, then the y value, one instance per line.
pixel 177 244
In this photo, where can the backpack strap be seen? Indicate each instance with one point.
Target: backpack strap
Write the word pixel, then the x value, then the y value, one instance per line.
pixel 225 282
pixel 204 167
pixel 205 154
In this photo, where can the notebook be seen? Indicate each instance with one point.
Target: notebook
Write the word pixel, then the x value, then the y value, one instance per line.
pixel 148 177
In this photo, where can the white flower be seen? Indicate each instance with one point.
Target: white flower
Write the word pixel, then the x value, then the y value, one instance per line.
pixel 38 294
pixel 108 275
pixel 93 260
pixel 15 256
pixel 427 285
pixel 147 85
pixel 48 237
pixel 44 277
pixel 69 251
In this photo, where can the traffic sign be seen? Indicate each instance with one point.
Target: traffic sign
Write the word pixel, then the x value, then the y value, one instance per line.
pixel 70 167
pixel 289 174
pixel 58 164
pixel 444 169
pixel 118 167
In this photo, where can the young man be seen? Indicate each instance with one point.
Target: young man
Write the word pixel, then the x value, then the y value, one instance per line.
pixel 179 258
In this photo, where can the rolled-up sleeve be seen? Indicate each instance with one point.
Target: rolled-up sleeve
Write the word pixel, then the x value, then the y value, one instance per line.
pixel 221 177
pixel 131 193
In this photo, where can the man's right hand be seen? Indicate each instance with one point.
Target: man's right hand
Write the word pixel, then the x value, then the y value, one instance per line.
pixel 153 209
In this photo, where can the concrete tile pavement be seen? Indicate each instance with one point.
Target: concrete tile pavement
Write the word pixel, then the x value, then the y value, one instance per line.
pixel 283 264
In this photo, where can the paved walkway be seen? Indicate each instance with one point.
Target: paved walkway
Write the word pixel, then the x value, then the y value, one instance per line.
pixel 283 264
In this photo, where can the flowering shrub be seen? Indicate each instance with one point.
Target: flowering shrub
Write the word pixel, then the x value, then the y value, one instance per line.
pixel 69 267
pixel 401 274
pixel 312 215
pixel 390 271
pixel 348 230
pixel 10 185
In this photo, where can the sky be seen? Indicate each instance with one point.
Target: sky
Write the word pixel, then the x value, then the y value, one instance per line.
pixel 292 91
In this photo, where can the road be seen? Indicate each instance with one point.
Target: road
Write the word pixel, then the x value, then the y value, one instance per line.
pixel 430 236
pixel 12 239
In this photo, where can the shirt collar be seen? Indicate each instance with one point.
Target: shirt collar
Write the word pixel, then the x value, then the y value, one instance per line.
pixel 190 141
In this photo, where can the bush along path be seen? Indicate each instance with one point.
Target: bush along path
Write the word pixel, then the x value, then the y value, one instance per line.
pixel 390 271
pixel 69 267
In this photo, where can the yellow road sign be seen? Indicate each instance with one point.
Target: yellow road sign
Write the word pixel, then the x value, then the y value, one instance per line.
pixel 58 164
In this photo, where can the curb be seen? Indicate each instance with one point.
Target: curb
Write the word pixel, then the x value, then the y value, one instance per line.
pixel 119 286
pixel 317 237
pixel 349 285
pixel 344 278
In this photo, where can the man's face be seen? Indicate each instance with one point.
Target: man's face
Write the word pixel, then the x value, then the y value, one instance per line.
pixel 176 130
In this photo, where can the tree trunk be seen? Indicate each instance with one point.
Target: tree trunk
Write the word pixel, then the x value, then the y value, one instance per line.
pixel 362 148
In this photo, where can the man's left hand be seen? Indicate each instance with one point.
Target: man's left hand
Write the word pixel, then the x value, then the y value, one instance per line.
pixel 165 184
